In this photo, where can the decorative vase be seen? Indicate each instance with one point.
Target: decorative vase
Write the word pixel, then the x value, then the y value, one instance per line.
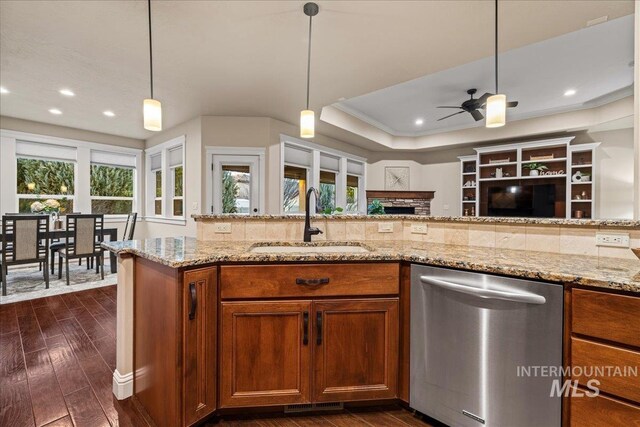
pixel 534 172
pixel 577 177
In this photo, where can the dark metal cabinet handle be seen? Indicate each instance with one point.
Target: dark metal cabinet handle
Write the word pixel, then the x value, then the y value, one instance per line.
pixel 312 282
pixel 193 301
pixel 319 326
pixel 305 328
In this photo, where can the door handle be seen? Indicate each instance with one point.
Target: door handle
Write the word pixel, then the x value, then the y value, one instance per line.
pixel 506 295
pixel 312 282
pixel 319 328
pixel 305 328
pixel 193 301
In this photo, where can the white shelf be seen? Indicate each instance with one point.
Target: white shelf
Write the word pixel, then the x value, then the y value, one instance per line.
pixel 507 178
pixel 559 159
pixel 543 176
pixel 581 166
pixel 468 201
pixel 463 187
pixel 468 173
pixel 581 201
pixel 488 165
pixel 582 183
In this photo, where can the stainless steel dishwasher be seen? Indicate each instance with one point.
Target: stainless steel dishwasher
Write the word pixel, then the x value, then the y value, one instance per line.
pixel 470 334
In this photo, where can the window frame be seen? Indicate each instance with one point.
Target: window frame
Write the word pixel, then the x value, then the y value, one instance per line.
pixel 36 196
pixel 313 172
pixel 9 141
pixel 134 201
pixel 166 198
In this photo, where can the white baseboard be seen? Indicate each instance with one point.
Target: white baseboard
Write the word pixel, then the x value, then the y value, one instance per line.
pixel 122 385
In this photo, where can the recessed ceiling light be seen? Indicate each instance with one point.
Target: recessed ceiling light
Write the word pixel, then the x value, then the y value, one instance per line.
pixel 109 113
pixel 66 92
pixel 419 122
pixel 4 89
pixel 55 111
pixel 569 92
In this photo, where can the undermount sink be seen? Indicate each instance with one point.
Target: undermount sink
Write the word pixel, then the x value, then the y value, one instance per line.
pixel 309 248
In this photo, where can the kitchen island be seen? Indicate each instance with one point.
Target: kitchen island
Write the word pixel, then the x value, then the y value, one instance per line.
pixel 206 326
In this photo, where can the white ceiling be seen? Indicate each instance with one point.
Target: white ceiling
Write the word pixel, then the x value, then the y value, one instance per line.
pixel 248 58
pixel 596 62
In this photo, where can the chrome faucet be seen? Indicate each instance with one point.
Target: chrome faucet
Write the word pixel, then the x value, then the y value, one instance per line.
pixel 308 229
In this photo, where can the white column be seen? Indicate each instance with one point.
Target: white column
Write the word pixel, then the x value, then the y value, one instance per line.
pixel 8 174
pixel 82 196
pixel 123 375
pixel 636 115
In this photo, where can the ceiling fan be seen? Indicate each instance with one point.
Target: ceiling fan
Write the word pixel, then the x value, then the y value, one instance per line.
pixel 473 106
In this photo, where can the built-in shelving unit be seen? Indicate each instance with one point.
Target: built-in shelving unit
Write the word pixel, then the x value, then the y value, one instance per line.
pixel 559 162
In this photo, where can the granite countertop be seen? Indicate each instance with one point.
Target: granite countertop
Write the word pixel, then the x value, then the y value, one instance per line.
pixel 617 223
pixel 611 273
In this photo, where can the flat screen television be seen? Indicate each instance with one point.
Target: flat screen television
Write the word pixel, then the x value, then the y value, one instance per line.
pixel 535 200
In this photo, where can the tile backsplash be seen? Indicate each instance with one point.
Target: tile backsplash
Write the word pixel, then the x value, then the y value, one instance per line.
pixel 566 239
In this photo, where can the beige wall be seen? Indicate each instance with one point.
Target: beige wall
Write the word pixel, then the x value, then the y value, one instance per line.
pixel 28 126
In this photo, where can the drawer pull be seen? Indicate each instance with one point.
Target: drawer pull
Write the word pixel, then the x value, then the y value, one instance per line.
pixel 193 302
pixel 319 326
pixel 312 282
pixel 305 328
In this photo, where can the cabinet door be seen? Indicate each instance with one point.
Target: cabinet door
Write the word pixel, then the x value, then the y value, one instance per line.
pixel 355 349
pixel 265 356
pixel 200 318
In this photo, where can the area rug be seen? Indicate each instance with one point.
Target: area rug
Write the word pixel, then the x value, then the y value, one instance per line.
pixel 26 282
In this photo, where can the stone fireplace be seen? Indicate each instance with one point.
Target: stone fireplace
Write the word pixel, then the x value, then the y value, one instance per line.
pixel 403 202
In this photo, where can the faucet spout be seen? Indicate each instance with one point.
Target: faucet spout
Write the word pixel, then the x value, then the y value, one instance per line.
pixel 308 230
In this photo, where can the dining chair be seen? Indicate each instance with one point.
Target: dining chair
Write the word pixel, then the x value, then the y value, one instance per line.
pixel 54 247
pixel 84 236
pixel 25 239
pixel 130 226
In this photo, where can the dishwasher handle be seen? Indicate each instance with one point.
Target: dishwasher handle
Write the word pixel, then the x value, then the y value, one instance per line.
pixel 516 296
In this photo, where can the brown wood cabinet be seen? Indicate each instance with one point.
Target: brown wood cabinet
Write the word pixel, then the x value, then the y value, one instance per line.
pixel 338 342
pixel 603 332
pixel 265 357
pixel 355 349
pixel 175 342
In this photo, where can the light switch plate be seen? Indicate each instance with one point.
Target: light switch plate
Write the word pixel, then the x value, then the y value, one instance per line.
pixel 223 227
pixel 418 228
pixel 616 240
pixel 385 227
pixel 194 206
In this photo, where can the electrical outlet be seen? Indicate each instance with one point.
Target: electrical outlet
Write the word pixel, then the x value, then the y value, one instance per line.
pixel 385 227
pixel 223 227
pixel 418 228
pixel 194 206
pixel 616 240
pixel 445 207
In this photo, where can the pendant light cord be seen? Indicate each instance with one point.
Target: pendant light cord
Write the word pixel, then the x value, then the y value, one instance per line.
pixel 150 49
pixel 496 43
pixel 309 61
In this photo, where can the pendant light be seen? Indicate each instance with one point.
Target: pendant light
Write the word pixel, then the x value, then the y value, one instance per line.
pixel 496 108
pixel 307 116
pixel 152 109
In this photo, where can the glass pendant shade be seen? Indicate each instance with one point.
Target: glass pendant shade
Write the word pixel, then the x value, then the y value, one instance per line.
pixel 152 115
pixel 496 111
pixel 307 124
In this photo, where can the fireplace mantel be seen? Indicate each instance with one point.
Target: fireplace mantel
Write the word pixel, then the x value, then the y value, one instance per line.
pixel 374 194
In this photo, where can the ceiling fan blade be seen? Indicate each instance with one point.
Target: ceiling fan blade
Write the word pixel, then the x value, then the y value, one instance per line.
pixel 483 99
pixel 450 115
pixel 448 106
pixel 477 115
pixel 512 104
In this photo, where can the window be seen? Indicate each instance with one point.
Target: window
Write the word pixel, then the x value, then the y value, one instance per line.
pixel 39 179
pixel 112 183
pixel 236 188
pixel 338 177
pixel 165 180
pixel 295 188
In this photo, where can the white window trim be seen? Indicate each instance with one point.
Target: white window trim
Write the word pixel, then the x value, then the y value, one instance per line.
pixel 314 173
pixel 82 173
pixel 210 151
pixel 167 206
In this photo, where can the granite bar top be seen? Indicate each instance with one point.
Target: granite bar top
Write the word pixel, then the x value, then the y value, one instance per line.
pixel 617 223
pixel 611 273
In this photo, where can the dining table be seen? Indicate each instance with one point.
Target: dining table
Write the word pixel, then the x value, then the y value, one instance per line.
pixel 112 233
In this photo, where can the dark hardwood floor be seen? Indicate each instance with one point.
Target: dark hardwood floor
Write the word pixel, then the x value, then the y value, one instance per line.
pixel 57 356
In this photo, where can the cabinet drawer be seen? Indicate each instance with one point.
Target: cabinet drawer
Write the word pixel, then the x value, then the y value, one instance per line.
pixel 602 411
pixel 588 354
pixel 607 316
pixel 309 280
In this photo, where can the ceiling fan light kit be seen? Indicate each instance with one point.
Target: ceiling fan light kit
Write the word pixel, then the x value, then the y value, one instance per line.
pixel 307 116
pixel 151 108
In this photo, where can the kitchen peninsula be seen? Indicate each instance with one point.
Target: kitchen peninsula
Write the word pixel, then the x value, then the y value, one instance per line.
pixel 253 317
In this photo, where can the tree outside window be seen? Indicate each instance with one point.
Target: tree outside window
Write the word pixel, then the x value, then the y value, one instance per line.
pixel 38 179
pixel 111 190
